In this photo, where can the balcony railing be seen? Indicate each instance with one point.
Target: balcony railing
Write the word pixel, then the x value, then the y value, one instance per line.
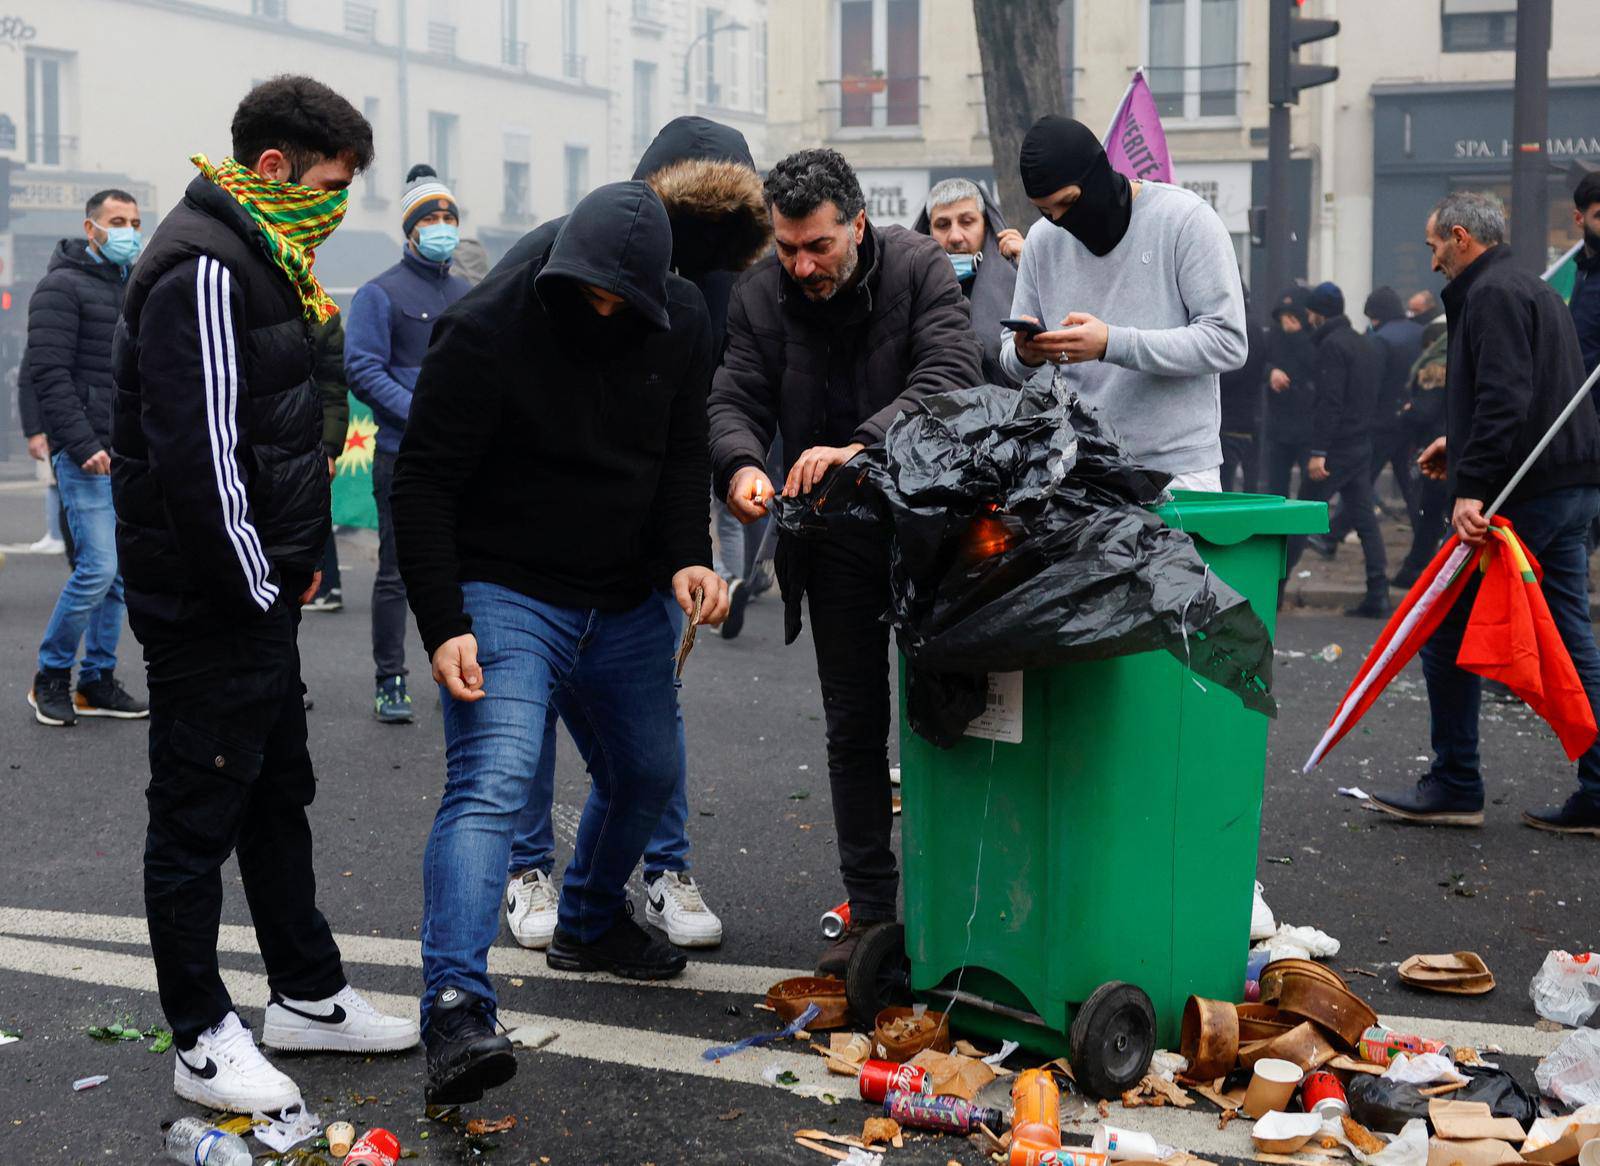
pixel 514 54
pixel 360 21
pixel 442 39
pixel 649 12
pixel 269 9
pixel 873 104
pixel 572 66
pixel 52 150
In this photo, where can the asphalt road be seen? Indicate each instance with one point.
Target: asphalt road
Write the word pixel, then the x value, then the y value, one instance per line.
pixel 623 1082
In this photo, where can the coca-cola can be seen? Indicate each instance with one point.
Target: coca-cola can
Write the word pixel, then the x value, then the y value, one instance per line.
pixel 878 1077
pixel 834 922
pixel 1323 1095
pixel 377 1147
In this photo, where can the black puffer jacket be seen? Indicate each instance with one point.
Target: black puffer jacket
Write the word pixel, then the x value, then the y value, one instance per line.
pixel 1349 366
pixel 219 474
pixel 71 318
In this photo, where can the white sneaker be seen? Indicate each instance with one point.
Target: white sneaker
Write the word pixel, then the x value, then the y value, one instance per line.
pixel 676 907
pixel 1262 924
pixel 531 904
pixel 46 545
pixel 225 1070
pixel 343 1023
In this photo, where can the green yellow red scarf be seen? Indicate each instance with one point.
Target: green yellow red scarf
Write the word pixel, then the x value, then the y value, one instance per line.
pixel 294 220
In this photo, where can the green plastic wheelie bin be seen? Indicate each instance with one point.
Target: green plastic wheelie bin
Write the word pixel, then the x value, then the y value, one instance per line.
pixel 1094 860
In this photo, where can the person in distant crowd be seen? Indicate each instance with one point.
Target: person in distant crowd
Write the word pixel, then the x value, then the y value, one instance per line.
pixel 221 488
pixel 1243 390
pixel 1349 367
pixel 1291 360
pixel 1424 307
pixel 829 340
pixel 705 177
pixel 1514 363
pixel 967 223
pixel 328 375
pixel 1585 300
pixel 71 319
pixel 51 541
pixel 554 466
pixel 391 320
pixel 1423 418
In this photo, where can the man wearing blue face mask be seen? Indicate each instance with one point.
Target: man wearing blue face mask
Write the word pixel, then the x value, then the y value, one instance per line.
pixel 71 319
pixel 386 334
pixel 967 223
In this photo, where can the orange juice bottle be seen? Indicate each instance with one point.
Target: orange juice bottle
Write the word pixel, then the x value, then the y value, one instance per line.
pixel 1036 1116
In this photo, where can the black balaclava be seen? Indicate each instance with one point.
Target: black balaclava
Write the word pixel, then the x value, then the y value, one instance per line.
pixel 1059 151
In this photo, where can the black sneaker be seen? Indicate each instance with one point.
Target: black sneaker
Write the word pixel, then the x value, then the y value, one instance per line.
pixel 330 600
pixel 1324 544
pixel 1578 815
pixel 104 696
pixel 1432 803
pixel 627 950
pixel 51 699
pixel 738 600
pixel 390 704
pixel 1374 606
pixel 835 959
pixel 465 1054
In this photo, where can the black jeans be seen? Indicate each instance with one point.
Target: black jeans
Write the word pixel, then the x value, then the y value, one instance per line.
pixel 388 590
pixel 1430 522
pixel 1391 447
pixel 230 774
pixel 1350 477
pixel 1239 457
pixel 847 584
pixel 1280 459
pixel 330 567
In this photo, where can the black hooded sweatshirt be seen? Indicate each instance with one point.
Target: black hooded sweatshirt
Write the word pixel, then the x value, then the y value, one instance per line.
pixel 553 451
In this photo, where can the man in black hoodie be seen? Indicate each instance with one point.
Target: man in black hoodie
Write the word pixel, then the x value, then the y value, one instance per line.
pixel 555 461
pixel 1514 363
pixel 1291 361
pixel 704 175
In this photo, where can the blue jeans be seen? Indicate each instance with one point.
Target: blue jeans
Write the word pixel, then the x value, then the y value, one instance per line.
pixel 609 676
pixel 1554 526
pixel 668 848
pixel 90 608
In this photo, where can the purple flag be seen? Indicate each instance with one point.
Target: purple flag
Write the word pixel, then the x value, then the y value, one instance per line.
pixel 1136 143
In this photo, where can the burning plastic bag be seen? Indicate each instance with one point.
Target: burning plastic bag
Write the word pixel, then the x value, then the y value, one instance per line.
pixel 1021 540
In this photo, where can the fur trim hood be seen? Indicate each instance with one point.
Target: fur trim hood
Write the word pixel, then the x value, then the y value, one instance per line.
pixel 704 174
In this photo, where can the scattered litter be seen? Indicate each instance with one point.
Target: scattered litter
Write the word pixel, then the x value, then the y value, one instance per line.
pixel 778 1075
pixel 1566 988
pixel 1409 1147
pixel 1330 653
pixel 531 1036
pixel 340 1135
pixel 1118 1145
pixel 1302 574
pixel 8 1038
pixel 879 1129
pixel 717 1052
pixel 1461 973
pixel 291 1127
pixel 1302 943
pixel 1553 1140
pixel 1571 1073
pixel 1263 924
pixel 479 1126
pixel 995 1060
pixel 731 1115
pixel 1275 1133
pixel 83 1083
pixel 1355 791
pixel 1423 1069
pixel 894 775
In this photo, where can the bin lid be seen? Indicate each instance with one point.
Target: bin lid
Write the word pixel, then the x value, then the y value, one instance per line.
pixel 1225 519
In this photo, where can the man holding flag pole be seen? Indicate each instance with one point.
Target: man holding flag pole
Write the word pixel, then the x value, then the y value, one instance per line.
pixel 1512 435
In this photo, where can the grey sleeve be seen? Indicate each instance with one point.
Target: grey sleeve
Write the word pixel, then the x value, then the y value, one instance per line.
pixel 1024 302
pixel 1214 339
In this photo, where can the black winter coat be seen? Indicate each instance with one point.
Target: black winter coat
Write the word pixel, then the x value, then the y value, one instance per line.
pixel 219 473
pixel 1349 366
pixel 71 319
pixel 1291 414
pixel 28 414
pixel 1514 364
pixel 1400 343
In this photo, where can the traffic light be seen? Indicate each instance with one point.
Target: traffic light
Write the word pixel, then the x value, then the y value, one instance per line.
pixel 1287 31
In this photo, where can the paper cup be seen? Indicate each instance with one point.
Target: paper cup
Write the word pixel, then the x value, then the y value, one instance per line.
pixel 339 1134
pixel 1590 1154
pixel 1122 1145
pixel 1272 1083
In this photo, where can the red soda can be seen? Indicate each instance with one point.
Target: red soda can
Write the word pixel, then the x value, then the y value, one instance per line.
pixel 1323 1095
pixel 376 1148
pixel 878 1077
pixel 834 922
pixel 948 1115
pixel 1070 1156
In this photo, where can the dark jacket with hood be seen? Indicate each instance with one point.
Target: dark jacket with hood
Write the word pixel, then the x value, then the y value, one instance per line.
pixel 1585 307
pixel 553 451
pixel 218 467
pixel 1513 364
pixel 71 319
pixel 1399 340
pixel 1241 388
pixel 990 290
pixel 1291 413
pixel 1348 369
pixel 705 176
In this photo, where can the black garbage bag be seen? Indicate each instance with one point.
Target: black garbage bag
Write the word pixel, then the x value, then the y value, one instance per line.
pixel 1384 1105
pixel 1022 539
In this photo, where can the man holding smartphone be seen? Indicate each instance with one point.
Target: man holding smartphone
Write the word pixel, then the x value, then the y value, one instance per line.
pixel 1137 297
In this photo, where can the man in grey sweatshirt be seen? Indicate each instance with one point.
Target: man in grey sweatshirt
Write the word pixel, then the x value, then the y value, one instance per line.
pixel 1138 290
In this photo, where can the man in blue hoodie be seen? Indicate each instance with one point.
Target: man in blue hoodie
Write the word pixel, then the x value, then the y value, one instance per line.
pixel 386 335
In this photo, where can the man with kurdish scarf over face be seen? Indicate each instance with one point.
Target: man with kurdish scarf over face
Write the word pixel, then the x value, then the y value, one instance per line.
pixel 221 490
pixel 1140 297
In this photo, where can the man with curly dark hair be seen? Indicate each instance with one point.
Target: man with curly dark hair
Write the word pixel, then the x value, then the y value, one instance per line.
pixel 829 340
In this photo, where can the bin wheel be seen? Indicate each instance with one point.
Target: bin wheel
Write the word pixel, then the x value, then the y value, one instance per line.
pixel 1112 1039
pixel 879 973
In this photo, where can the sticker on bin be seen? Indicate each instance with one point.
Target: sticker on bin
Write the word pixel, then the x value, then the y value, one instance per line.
pixel 1001 719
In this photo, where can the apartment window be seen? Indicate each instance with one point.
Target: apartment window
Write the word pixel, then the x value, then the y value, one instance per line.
pixel 880 60
pixel 577 174
pixel 360 21
pixel 442 144
pixel 47 145
pixel 513 49
pixel 758 67
pixel 572 62
pixel 269 9
pixel 1478 26
pixel 517 200
pixel 1194 57
pixel 644 103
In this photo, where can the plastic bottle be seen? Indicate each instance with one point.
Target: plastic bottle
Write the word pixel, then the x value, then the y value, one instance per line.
pixel 191 1140
pixel 1035 1116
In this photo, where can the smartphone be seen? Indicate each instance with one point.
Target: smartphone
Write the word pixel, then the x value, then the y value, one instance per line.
pixel 1026 327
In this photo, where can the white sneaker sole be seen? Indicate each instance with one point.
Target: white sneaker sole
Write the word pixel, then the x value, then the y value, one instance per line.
pixel 192 1089
pixel 538 940
pixel 326 1040
pixel 47 720
pixel 678 938
pixel 92 711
